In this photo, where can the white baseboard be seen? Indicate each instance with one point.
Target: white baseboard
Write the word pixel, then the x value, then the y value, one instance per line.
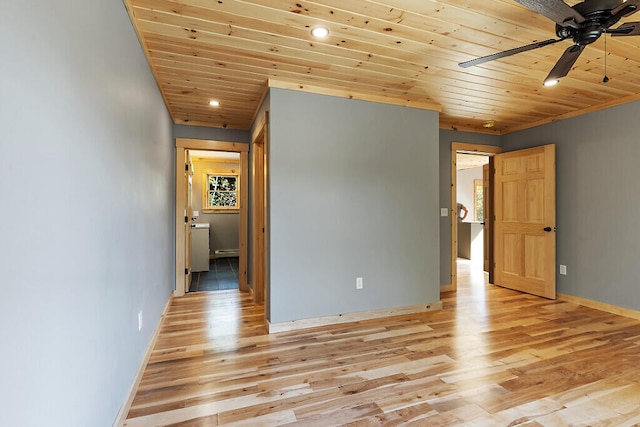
pixel 124 410
pixel 609 308
pixel 351 317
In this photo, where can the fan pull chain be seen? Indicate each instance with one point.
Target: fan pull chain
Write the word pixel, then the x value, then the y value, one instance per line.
pixel 605 78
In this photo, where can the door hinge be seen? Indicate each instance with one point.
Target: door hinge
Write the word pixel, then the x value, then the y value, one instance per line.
pixel 186 219
pixel 186 271
pixel 186 167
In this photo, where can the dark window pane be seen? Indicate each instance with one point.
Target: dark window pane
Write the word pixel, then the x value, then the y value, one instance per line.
pixel 231 180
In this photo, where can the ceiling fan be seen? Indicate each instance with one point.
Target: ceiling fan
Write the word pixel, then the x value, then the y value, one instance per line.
pixel 584 23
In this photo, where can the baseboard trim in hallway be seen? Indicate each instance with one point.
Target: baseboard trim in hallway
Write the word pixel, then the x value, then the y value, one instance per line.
pixel 294 325
pixel 124 410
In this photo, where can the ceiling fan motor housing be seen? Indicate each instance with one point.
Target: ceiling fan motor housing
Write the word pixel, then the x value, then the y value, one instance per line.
pixel 587 33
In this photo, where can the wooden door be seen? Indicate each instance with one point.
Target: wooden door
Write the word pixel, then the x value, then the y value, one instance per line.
pixel 525 219
pixel 486 214
pixel 188 216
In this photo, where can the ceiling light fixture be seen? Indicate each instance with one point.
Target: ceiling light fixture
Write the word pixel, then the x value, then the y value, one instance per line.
pixel 320 32
pixel 552 82
pixel 489 124
pixel 214 103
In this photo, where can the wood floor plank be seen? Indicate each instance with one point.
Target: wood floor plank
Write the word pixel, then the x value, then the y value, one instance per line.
pixel 491 357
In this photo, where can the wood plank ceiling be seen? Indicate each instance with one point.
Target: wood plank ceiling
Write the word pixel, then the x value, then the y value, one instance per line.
pixel 403 52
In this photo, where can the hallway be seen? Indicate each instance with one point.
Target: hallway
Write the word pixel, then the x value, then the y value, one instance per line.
pixel 491 357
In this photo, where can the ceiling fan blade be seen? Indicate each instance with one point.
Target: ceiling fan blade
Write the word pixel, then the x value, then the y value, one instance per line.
pixel 556 10
pixel 626 29
pixel 564 64
pixel 506 53
pixel 626 8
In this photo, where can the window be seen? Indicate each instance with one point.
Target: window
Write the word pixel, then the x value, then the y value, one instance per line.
pixel 222 191
pixel 478 200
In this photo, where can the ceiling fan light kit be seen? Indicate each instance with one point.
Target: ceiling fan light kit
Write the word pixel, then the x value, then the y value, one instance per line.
pixel 583 23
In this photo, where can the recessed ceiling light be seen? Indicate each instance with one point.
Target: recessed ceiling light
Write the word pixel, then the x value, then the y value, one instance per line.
pixel 551 82
pixel 320 32
pixel 214 103
pixel 489 124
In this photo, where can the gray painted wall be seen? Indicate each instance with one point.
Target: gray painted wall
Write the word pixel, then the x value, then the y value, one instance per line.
pixel 86 167
pixel 597 206
pixel 224 231
pixel 354 192
pixel 214 134
pixel 446 138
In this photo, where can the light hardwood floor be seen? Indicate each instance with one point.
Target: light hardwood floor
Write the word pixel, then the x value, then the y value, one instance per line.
pixel 491 357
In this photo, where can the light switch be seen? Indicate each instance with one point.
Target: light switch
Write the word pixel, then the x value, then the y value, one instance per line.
pixel 196 213
pixel 444 211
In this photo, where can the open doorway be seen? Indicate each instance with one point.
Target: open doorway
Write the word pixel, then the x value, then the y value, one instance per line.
pixel 186 220
pixel 471 261
pixel 215 230
pixel 482 245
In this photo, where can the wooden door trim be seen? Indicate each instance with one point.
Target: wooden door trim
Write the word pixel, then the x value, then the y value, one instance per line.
pixel 243 238
pixel 183 144
pixel 257 223
pixel 211 145
pixel 260 129
pixel 179 225
pixel 460 147
pixel 260 231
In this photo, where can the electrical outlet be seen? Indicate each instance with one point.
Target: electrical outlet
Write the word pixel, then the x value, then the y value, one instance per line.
pixel 359 283
pixel 140 320
pixel 563 269
pixel 444 212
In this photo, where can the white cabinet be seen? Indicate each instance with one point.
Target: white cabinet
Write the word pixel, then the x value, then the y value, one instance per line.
pixel 199 247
